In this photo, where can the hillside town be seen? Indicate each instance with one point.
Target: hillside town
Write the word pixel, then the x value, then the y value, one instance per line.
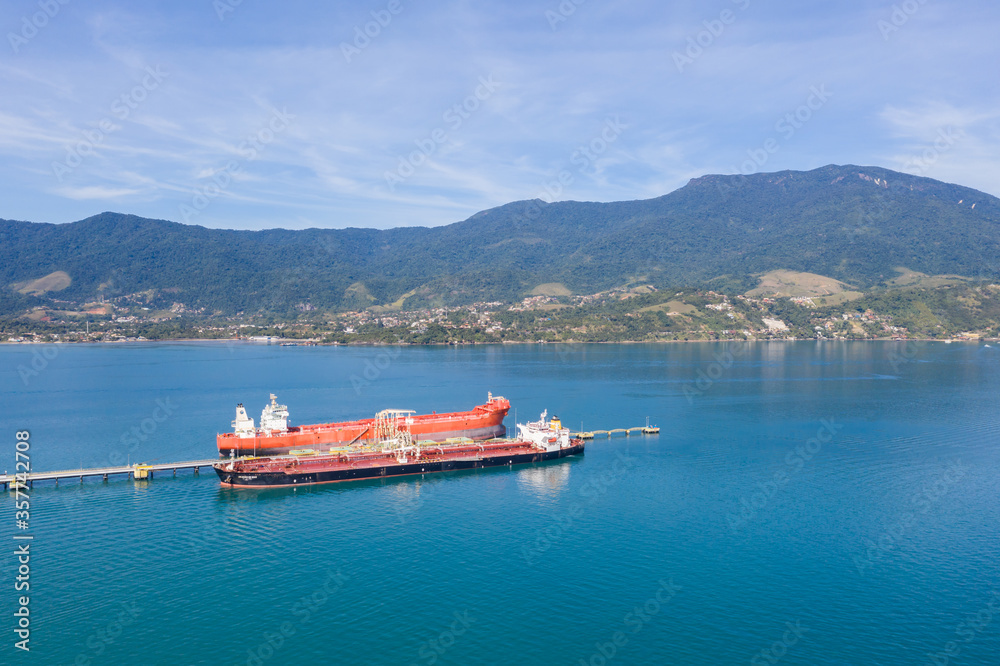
pixel 639 313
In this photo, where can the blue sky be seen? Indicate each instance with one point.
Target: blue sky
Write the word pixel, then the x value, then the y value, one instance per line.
pixel 263 114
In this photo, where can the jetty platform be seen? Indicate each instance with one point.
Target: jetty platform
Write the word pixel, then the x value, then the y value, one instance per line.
pixel 137 471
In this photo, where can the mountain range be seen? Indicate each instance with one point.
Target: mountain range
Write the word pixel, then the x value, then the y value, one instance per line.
pixel 858 225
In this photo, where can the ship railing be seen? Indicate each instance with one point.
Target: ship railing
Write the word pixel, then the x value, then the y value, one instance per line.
pixel 284 464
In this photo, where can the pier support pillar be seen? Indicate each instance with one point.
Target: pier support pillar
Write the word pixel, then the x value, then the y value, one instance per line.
pixel 196 470
pixel 175 472
pixel 57 482
pixel 105 478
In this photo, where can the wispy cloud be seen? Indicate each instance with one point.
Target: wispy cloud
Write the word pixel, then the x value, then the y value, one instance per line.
pixel 354 120
pixel 940 140
pixel 95 192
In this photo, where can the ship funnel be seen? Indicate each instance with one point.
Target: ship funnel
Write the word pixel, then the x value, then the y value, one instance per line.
pixel 243 424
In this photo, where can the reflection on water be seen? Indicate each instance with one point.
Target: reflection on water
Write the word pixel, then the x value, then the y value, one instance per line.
pixel 548 480
pixel 406 499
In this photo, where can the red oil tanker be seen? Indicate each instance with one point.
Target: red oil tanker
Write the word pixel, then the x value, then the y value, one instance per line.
pixel 276 437
pixel 397 454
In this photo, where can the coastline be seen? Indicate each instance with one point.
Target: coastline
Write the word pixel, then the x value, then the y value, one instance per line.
pixel 501 342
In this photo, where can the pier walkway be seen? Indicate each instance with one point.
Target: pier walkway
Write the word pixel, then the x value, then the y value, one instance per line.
pixel 132 471
pixel 645 430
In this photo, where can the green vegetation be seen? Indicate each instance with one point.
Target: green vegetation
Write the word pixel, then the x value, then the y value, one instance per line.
pixel 638 314
pixel 860 226
pixel 841 251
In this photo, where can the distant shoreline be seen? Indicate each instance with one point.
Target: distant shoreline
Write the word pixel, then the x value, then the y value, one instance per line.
pixel 481 344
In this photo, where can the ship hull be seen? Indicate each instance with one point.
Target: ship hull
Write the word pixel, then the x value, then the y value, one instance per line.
pixel 286 479
pixel 483 422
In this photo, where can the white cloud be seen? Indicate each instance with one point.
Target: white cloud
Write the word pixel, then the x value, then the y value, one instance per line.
pixel 942 141
pixel 556 89
pixel 95 192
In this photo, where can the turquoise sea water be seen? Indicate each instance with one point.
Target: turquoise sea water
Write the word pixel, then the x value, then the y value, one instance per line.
pixel 828 503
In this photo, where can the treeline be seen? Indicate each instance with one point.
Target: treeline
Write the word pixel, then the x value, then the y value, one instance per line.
pixel 852 223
